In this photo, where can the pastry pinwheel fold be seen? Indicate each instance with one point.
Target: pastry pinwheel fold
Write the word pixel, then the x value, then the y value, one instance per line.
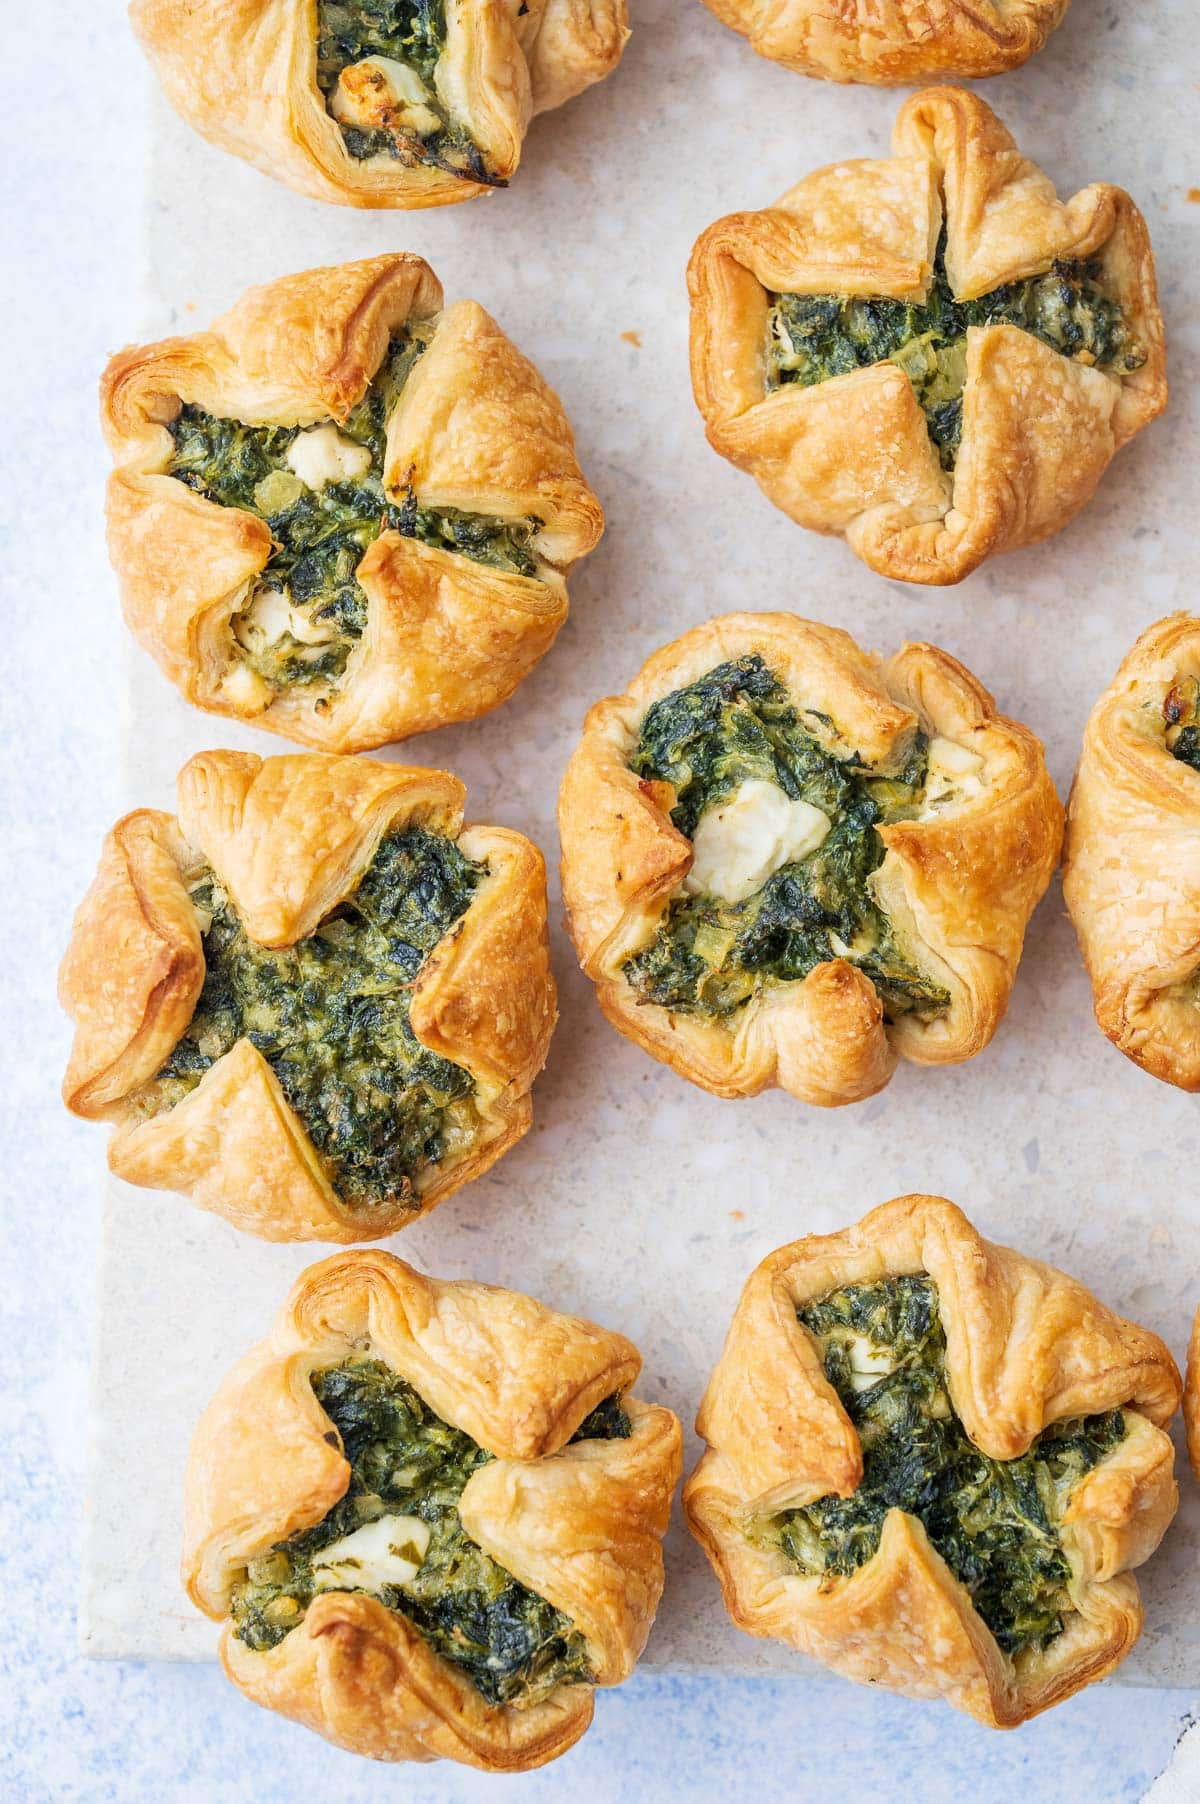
pixel 372 104
pixel 932 1463
pixel 787 862
pixel 932 356
pixel 1131 872
pixel 314 1001
pixel 896 42
pixel 345 513
pixel 430 1516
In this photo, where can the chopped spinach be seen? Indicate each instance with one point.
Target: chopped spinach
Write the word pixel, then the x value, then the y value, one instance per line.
pixel 331 1017
pixel 412 32
pixel 995 1522
pixel 320 535
pixel 815 336
pixel 405 1460
pixel 1181 713
pixel 710 957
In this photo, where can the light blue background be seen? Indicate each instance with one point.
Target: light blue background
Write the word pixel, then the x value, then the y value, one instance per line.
pixel 71 1729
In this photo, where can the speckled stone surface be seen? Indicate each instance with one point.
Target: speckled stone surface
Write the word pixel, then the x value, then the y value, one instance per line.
pixel 1049 1139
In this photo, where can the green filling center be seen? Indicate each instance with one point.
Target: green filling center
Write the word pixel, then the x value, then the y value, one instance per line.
pixel 1181 715
pixel 994 1522
pixel 405 1460
pixel 331 1017
pixel 412 32
pixel 710 957
pixel 321 534
pixel 815 336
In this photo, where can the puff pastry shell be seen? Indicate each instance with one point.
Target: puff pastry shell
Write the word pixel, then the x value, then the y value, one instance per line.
pixel 475 428
pixel 581 1525
pixel 1131 876
pixel 290 837
pixel 959 886
pixel 1026 1347
pixel 893 41
pixel 244 74
pixel 851 455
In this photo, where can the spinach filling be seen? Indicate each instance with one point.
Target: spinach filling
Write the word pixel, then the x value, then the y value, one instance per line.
pixel 1181 715
pixel 404 1459
pixel 994 1522
pixel 321 534
pixel 411 32
pixel 812 337
pixel 710 957
pixel 331 1017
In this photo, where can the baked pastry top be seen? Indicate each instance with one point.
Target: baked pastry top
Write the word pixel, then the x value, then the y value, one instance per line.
pixel 931 356
pixel 1131 876
pixel 896 41
pixel 345 512
pixel 314 1002
pixel 932 1463
pixel 377 103
pixel 786 862
pixel 429 1515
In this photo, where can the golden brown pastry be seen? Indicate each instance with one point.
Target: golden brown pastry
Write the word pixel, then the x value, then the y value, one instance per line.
pixel 892 41
pixel 1191 1397
pixel 314 1002
pixel 787 862
pixel 1131 876
pixel 373 104
pixel 932 1464
pixel 344 513
pixel 429 1515
pixel 933 357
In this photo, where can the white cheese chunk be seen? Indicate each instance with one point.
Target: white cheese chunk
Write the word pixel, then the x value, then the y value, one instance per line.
pixel 954 772
pixel 388 1551
pixel 380 94
pixel 271 615
pixel 322 455
pixel 242 687
pixel 868 1363
pixel 754 832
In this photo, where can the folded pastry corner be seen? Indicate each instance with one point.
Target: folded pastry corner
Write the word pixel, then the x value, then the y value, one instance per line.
pixel 345 513
pixel 932 1463
pixel 313 1002
pixel 930 356
pixel 904 41
pixel 787 862
pixel 429 1516
pixel 369 103
pixel 1131 872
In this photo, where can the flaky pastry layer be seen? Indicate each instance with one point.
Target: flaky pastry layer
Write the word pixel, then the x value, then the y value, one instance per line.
pixel 290 837
pixel 579 1524
pixel 1025 1347
pixel 959 887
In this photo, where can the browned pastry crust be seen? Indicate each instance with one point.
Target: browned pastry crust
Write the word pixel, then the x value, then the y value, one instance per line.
pixel 1026 1347
pixel 959 887
pixel 892 41
pixel 475 428
pixel 851 455
pixel 1191 1397
pixel 581 1525
pixel 290 837
pixel 244 74
pixel 1131 876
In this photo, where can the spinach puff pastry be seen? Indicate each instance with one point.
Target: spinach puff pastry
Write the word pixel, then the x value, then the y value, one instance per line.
pixel 786 862
pixel 430 1516
pixel 377 103
pixel 932 357
pixel 896 41
pixel 1131 877
pixel 345 513
pixel 932 1464
pixel 313 1002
